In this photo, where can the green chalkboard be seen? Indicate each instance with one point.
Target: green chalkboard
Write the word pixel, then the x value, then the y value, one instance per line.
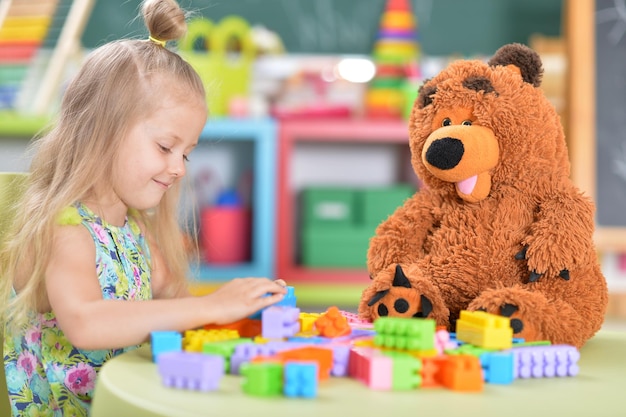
pixel 446 27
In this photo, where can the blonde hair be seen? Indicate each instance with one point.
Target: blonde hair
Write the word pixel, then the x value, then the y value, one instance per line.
pixel 113 89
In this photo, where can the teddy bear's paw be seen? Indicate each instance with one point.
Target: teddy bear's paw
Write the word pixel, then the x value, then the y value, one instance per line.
pixel 415 298
pixel 533 274
pixel 400 300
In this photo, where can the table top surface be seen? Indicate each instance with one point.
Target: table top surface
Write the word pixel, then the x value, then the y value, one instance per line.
pixel 129 385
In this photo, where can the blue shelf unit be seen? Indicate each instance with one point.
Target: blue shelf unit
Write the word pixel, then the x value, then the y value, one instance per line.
pixel 262 133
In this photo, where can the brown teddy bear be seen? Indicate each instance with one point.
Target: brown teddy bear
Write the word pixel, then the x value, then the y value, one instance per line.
pixel 497 225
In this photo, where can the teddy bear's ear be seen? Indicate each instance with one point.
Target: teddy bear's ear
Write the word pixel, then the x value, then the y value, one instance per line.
pixel 425 93
pixel 522 57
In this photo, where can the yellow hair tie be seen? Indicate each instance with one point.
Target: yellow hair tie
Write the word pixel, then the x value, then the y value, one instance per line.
pixel 157 41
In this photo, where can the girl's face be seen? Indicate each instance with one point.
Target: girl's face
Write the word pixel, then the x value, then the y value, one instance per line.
pixel 153 155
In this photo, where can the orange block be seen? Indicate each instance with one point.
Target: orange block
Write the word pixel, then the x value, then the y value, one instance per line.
pixel 332 324
pixel 431 371
pixel 245 327
pixel 323 357
pixel 462 373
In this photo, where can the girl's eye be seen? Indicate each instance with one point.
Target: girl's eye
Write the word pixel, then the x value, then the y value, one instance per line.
pixel 165 149
pixel 185 158
pixel 467 123
pixel 446 122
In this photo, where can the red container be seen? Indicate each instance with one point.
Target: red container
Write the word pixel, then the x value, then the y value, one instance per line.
pixel 225 233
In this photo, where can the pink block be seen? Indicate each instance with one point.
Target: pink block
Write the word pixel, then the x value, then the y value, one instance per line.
pixel 380 373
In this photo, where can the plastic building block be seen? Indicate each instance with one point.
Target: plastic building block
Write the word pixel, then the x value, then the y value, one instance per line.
pixel 194 340
pixel 190 370
pixel 279 322
pixel 165 341
pixel 323 357
pixel 247 352
pixel 498 367
pixel 443 342
pixel 405 333
pixel 288 300
pixel 263 379
pixel 332 324
pixel 545 361
pixel 224 348
pixel 371 368
pixel 341 357
pixel 245 327
pixel 300 379
pixel 355 322
pixel 431 371
pixel 484 330
pixel 462 373
pixel 307 320
pixel 406 371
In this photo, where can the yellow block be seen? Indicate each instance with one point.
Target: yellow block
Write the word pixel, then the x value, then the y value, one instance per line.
pixel 194 340
pixel 485 330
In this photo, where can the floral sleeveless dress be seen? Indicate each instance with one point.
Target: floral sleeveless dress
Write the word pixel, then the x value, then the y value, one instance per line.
pixel 46 375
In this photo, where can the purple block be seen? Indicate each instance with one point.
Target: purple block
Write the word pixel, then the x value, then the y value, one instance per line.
pixel 279 322
pixel 191 370
pixel 545 361
pixel 341 357
pixel 245 352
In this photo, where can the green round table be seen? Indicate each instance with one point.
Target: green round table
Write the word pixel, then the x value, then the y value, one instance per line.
pixel 129 385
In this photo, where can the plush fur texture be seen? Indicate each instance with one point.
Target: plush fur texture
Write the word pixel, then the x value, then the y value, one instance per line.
pixel 498 225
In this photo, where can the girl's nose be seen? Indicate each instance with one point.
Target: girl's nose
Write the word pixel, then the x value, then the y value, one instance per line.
pixel 178 168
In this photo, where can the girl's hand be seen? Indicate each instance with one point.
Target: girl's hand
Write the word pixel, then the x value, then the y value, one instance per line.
pixel 241 297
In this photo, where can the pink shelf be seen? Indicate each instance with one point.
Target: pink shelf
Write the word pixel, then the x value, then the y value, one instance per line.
pixel 331 130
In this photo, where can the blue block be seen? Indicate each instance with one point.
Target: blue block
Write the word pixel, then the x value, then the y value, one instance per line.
pixel 165 341
pixel 498 367
pixel 289 300
pixel 300 379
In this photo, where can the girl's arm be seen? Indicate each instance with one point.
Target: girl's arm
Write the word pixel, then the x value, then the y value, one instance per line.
pixel 89 322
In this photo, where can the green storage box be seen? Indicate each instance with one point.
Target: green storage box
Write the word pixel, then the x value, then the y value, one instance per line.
pixel 335 247
pixel 378 203
pixel 329 207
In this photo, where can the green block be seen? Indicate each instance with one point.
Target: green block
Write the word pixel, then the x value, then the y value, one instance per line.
pixel 224 348
pixel 263 379
pixel 329 207
pixel 378 203
pixel 335 247
pixel 405 333
pixel 406 371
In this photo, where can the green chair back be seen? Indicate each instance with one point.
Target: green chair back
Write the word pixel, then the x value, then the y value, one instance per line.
pixel 11 187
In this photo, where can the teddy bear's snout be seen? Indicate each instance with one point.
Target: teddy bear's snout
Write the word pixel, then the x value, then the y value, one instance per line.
pixel 445 153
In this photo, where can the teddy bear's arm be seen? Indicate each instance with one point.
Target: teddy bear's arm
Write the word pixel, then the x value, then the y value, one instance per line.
pixel 561 236
pixel 401 237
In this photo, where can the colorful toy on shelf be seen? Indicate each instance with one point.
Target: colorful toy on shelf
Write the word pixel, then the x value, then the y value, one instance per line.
pixel 222 53
pixel 30 79
pixel 225 230
pixel 396 52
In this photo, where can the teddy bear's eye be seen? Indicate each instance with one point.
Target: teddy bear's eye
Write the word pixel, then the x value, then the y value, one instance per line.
pixel 467 123
pixel 446 122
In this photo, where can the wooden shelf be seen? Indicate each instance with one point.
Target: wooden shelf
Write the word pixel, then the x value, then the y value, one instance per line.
pixel 291 132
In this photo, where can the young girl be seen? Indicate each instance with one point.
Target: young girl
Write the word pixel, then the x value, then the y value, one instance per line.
pixel 95 260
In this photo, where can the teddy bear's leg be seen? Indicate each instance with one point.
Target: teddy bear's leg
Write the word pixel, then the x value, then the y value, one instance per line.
pixel 557 310
pixel 403 292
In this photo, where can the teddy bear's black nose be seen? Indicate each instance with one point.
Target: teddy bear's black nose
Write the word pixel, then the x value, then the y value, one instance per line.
pixel 445 153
